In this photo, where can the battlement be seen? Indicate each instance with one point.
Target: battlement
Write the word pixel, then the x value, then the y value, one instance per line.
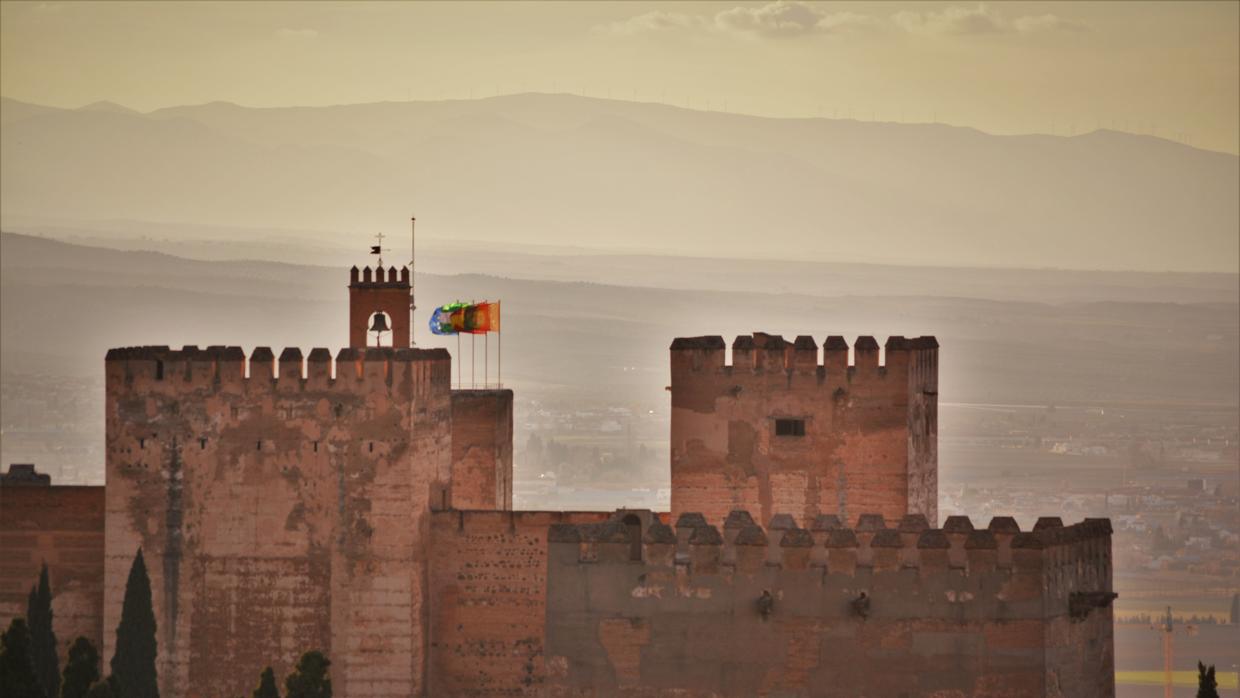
pixel 764 353
pixel 379 277
pixel 221 367
pixel 1070 555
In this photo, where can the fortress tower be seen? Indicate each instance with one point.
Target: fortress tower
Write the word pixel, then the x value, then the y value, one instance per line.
pixel 782 431
pixel 284 505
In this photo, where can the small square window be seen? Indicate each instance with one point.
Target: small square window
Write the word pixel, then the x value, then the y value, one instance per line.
pixel 790 427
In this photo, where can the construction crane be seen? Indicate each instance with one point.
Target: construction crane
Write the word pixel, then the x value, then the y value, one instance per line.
pixel 1167 628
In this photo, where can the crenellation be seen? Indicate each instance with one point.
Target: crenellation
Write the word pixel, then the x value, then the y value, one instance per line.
pixel 1047 522
pixel 262 365
pixel 842 550
pixel 292 368
pixel 761 353
pixel 865 356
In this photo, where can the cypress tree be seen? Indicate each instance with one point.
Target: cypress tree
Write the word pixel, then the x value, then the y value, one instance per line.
pixel 133 665
pixel 101 689
pixel 42 638
pixel 266 685
pixel 17 677
pixel 1207 685
pixel 81 671
pixel 310 679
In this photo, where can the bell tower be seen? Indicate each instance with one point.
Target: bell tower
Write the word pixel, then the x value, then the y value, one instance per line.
pixel 374 294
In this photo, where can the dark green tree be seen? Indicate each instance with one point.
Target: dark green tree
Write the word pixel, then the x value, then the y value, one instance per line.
pixel 266 685
pixel 81 671
pixel 1207 686
pixel 310 679
pixel 102 689
pixel 17 677
pixel 133 665
pixel 42 638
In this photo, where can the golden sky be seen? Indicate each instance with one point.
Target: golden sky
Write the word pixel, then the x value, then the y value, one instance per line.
pixel 1168 69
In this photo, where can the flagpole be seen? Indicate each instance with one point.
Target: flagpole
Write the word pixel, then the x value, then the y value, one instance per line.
pixel 412 258
pixel 458 361
pixel 473 359
pixel 486 358
pixel 499 337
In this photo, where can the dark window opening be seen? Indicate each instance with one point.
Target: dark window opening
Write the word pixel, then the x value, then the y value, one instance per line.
pixel 316 446
pixel 633 526
pixel 372 446
pixel 790 427
pixel 141 443
pixel 258 445
pixel 159 370
pixel 202 443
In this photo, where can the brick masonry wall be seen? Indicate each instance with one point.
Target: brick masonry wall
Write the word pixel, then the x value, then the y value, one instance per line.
pixel 279 512
pixel 870 430
pixel 488 600
pixel 62 526
pixel 482 450
pixel 949 613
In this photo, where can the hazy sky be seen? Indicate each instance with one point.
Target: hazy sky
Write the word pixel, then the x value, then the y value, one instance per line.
pixel 1170 69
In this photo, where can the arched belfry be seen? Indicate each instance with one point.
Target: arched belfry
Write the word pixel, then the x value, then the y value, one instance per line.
pixel 374 291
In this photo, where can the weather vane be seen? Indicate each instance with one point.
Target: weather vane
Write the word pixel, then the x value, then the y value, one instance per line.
pixel 379 249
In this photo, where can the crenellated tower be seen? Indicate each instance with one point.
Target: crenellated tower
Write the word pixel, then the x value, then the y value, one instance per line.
pixel 785 428
pixel 379 291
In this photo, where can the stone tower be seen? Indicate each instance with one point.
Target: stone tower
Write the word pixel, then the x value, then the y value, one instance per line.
pixel 779 431
pixel 379 291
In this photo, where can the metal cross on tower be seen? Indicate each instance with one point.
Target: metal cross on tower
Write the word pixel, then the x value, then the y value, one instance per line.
pixel 379 249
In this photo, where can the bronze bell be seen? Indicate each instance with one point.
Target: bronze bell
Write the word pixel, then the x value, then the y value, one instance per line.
pixel 379 324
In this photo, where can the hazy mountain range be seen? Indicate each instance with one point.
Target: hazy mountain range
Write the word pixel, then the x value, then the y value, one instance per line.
pixel 563 170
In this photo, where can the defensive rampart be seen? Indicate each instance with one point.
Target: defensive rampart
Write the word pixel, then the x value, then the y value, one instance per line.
pixel 62 526
pixel 281 506
pixel 783 429
pixel 489 600
pixel 872 610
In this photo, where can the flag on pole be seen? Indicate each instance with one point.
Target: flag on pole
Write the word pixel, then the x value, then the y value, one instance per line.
pixel 465 318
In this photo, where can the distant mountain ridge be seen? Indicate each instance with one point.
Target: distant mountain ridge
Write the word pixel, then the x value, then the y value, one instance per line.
pixel 568 170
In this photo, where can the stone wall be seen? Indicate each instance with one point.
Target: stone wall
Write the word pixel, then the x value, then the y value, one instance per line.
pixel 62 526
pixel 869 442
pixel 482 449
pixel 872 610
pixel 278 511
pixel 489 600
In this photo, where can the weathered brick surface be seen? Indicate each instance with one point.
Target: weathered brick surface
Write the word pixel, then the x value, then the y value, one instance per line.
pixel 62 526
pixel 488 600
pixel 870 431
pixel 482 449
pixel 686 620
pixel 279 512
